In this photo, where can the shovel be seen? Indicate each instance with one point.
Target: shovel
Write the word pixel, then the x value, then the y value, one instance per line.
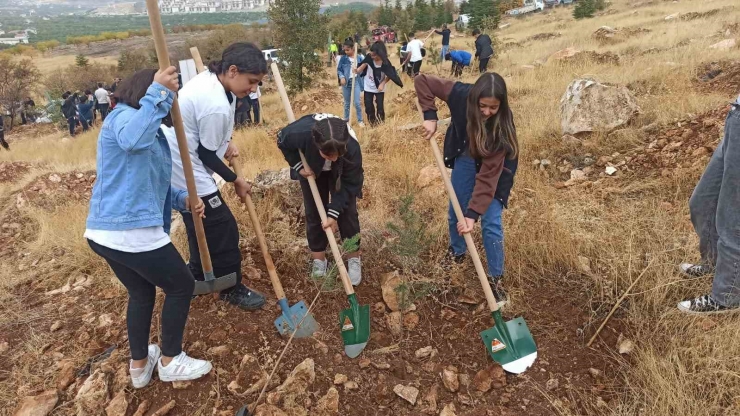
pixel 354 322
pixel 211 284
pixel 294 318
pixel 508 343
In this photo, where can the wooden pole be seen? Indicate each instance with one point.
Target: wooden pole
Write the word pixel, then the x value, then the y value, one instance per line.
pixel 155 21
pixel 198 60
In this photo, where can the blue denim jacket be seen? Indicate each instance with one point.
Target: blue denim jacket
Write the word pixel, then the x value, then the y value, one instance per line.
pixel 134 168
pixel 344 67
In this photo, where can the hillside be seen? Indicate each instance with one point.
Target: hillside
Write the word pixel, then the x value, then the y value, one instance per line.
pixel 576 238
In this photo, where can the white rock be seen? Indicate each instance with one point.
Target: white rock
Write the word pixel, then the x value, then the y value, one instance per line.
pixel 448 410
pixel 671 16
pixel 425 352
pixel 577 175
pixel 55 178
pixel 408 393
pixel 340 379
pixel 610 170
pixel 725 44
pixel 588 106
pixel 625 345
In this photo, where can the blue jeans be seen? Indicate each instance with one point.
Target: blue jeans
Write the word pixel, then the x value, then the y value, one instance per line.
pixel 445 49
pixel 463 180
pixel 346 89
pixel 715 215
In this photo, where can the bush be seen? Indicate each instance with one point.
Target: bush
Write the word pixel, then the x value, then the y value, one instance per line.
pixel 74 78
pixel 587 8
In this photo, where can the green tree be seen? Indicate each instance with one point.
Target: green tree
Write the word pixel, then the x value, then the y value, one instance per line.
pixel 480 10
pixel 422 16
pixel 17 80
pixel 385 14
pixel 584 9
pixel 441 16
pixel 398 8
pixel 300 30
pixel 81 61
pixel 404 25
pixel 131 61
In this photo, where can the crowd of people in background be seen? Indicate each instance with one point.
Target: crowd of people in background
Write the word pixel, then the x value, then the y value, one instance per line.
pixel 83 109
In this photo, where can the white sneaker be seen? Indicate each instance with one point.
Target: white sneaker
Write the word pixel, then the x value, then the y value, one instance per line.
pixel 183 368
pixel 318 270
pixel 361 124
pixel 354 265
pixel 140 377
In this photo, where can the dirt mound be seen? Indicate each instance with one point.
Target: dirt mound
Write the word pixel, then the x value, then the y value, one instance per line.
pixel 30 131
pixel 317 100
pixel 542 36
pixel 702 15
pixel 12 171
pixel 722 77
pixel 670 150
pixel 52 189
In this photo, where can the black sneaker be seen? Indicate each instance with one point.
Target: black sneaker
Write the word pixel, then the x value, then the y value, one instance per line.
pixel 498 290
pixel 244 298
pixel 704 305
pixel 695 270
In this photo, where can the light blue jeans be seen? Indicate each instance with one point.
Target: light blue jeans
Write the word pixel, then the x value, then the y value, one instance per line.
pixel 443 53
pixel 463 180
pixel 715 213
pixel 346 89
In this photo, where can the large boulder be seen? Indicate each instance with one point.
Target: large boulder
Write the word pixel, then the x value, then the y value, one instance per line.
pixel 92 397
pixel 589 106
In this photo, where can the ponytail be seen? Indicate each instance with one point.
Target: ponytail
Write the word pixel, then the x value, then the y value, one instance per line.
pixel 331 135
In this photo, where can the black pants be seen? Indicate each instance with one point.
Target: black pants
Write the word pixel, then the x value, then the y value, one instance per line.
pixel 374 117
pixel 242 118
pixel 416 67
pixel 72 122
pixel 483 65
pixel 141 274
pixel 457 69
pixel 256 111
pixel 222 236
pixel 103 110
pixel 348 222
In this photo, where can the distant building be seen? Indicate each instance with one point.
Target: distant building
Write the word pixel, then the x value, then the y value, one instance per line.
pixel 18 39
pixel 208 6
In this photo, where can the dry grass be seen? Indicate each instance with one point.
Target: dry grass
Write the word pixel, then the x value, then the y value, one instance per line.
pixel 50 64
pixel 682 365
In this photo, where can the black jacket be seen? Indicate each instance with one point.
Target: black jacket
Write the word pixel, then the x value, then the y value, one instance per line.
pixel 346 172
pixel 386 68
pixel 456 140
pixel 483 47
pixel 68 107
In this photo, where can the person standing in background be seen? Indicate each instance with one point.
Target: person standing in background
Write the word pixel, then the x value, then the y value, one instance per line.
pixel 69 111
pixel 85 109
pixel 28 108
pixel 348 80
pixel 445 40
pixel 241 116
pixel 413 54
pixel 483 49
pixel 3 143
pixel 254 98
pixel 101 94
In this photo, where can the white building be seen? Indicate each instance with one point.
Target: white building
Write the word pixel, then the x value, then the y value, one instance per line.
pixel 18 39
pixel 208 6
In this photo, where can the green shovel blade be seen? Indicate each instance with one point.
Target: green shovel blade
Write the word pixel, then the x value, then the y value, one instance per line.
pixel 510 343
pixel 355 326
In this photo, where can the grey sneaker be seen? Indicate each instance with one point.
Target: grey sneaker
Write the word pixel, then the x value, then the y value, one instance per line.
pixel 140 377
pixel 695 270
pixel 318 270
pixel 704 305
pixel 354 265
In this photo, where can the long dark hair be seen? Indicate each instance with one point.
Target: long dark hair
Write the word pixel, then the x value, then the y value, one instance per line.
pixel 331 136
pixel 133 89
pixel 379 49
pixel 246 57
pixel 498 132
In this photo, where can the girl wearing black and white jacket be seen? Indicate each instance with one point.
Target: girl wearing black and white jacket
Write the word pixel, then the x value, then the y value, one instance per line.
pixel 334 158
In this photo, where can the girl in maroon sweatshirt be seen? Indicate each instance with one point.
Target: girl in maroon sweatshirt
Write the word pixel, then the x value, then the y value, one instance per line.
pixel 482 150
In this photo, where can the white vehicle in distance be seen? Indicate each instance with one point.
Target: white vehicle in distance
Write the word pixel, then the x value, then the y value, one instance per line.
pixel 271 54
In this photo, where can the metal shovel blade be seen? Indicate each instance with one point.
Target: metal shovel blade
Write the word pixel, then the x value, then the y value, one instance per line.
pixel 213 284
pixel 355 326
pixel 510 344
pixel 295 316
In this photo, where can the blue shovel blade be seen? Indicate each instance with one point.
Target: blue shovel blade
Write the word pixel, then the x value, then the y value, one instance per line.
pixel 296 315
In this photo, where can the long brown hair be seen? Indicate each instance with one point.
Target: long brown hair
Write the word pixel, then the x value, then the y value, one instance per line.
pixel 488 136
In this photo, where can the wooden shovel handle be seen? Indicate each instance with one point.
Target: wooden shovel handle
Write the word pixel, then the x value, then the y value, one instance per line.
pixel 163 57
pixel 247 200
pixel 314 189
pixel 352 89
pixel 198 60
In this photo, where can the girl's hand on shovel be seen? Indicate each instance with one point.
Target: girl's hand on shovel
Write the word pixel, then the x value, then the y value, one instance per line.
pixel 330 223
pixel 465 227
pixel 168 78
pixel 199 210
pixel 306 172
pixel 430 126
